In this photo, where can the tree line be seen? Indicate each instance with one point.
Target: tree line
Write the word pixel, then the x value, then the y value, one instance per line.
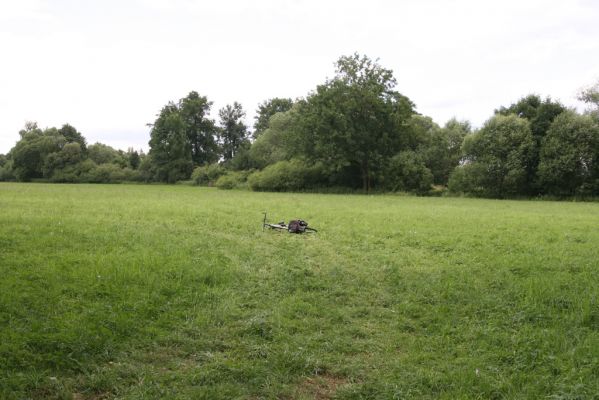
pixel 355 131
pixel 62 155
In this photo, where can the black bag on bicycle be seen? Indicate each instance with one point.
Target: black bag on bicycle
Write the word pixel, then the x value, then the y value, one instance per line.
pixel 297 226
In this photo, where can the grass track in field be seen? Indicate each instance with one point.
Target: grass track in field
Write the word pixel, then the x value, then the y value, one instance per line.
pixel 144 292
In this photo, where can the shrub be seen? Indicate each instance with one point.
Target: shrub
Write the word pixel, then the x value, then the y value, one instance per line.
pixel 232 180
pixel 6 173
pixel 407 172
pixel 499 158
pixel 145 171
pixel 111 173
pixel 468 179
pixel 569 158
pixel 287 176
pixel 130 175
pixel 101 173
pixel 208 174
pixel 73 173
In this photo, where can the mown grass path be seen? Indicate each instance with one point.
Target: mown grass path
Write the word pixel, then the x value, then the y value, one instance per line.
pixel 175 292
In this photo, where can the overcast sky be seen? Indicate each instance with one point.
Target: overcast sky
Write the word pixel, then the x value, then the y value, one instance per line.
pixel 108 66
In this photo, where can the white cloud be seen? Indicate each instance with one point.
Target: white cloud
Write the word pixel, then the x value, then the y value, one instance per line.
pixel 22 10
pixel 108 67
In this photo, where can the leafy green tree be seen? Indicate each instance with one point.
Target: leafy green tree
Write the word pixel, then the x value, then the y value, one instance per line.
pixel 110 173
pixel 182 134
pixel 69 155
pixel 274 144
pixel 471 179
pixel 266 110
pixel 497 159
pixel 40 152
pixel 232 133
pixel 73 136
pixel 146 169
pixel 355 121
pixel 570 156
pixel 200 130
pixel 133 158
pixel 590 95
pixel 32 150
pixel 407 172
pixel 421 133
pixel 540 113
pixel 242 160
pixel 206 175
pixel 6 173
pixel 103 154
pixel 288 175
pixel 170 152
pixel 441 147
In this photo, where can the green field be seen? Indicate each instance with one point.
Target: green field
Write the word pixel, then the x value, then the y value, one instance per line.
pixel 175 292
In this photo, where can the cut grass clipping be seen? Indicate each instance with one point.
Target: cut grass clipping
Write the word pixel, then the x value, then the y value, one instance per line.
pixel 175 292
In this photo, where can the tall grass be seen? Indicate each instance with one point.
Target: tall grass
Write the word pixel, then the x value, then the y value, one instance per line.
pixel 143 292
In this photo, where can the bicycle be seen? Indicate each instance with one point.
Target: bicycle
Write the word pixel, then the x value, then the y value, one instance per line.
pixel 294 226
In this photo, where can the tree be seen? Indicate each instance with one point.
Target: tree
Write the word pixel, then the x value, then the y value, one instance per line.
pixel 69 155
pixel 540 113
pixel 103 154
pixel 182 136
pixel 232 133
pixel 570 156
pixel 266 110
pixel 73 136
pixel 133 158
pixel 6 172
pixel 170 153
pixel 408 172
pixel 274 145
pixel 356 121
pixel 199 129
pixel 441 147
pixel 590 95
pixel 30 153
pixel 497 159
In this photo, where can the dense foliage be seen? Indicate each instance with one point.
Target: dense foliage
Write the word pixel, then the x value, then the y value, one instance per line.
pixel 355 122
pixel 497 158
pixel 353 132
pixel 569 159
pixel 62 155
pixel 534 147
pixel 266 110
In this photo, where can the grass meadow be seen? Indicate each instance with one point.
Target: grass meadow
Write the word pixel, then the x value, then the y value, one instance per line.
pixel 175 292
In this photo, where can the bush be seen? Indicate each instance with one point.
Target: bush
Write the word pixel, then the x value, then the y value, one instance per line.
pixel 73 173
pixel 207 175
pixel 232 180
pixel 130 175
pixel 6 173
pixel 499 156
pixel 145 171
pixel 111 173
pixel 284 176
pixel 408 173
pixel 468 179
pixel 569 158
